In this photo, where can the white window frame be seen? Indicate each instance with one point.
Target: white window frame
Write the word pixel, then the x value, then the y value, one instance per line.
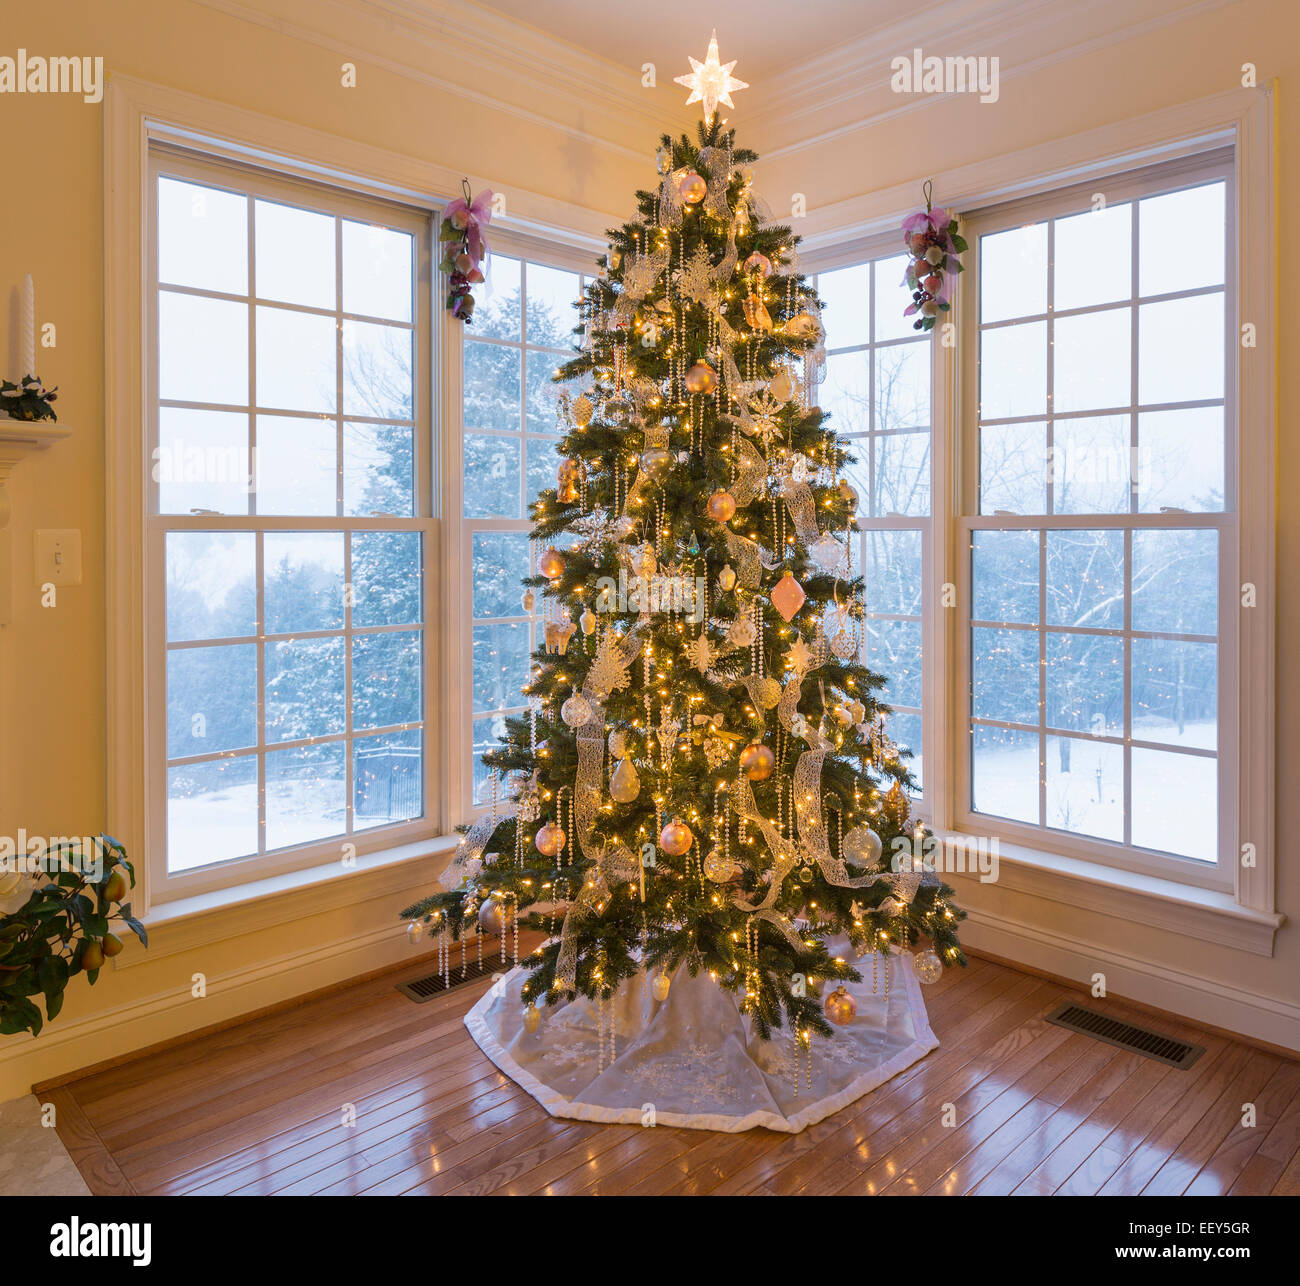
pixel 1243 913
pixel 1127 187
pixel 872 250
pixel 257 183
pixel 138 114
pixel 572 254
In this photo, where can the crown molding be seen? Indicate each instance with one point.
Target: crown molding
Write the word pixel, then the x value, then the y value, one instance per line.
pixel 499 64
pixel 849 87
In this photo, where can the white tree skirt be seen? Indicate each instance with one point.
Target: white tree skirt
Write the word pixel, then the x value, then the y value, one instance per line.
pixel 694 1059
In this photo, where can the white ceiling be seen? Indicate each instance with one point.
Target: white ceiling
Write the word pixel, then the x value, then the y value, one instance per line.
pixel 764 36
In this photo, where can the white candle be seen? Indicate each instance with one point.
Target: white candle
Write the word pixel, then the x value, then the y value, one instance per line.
pixel 28 364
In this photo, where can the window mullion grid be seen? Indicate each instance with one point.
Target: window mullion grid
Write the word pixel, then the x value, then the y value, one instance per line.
pixel 871 393
pixel 349 757
pixel 523 389
pixel 1049 468
pixel 259 566
pixel 259 623
pixel 1134 483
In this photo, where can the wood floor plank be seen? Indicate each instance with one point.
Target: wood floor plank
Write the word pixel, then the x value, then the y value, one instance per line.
pixel 1168 1134
pixel 829 1142
pixel 1231 1158
pixel 1220 1125
pixel 258 1108
pixel 98 1168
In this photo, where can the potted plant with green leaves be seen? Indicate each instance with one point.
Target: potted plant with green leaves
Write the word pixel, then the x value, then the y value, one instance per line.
pixel 57 921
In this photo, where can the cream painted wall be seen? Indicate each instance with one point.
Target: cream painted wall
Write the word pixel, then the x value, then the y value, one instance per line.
pixel 52 661
pixel 1200 56
pixel 52 680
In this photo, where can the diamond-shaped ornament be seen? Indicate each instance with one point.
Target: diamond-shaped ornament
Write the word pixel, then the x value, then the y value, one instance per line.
pixel 788 596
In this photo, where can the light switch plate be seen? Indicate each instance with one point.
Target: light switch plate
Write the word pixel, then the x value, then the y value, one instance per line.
pixel 58 556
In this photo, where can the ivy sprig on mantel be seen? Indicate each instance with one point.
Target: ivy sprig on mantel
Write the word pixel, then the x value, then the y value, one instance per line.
pixel 27 400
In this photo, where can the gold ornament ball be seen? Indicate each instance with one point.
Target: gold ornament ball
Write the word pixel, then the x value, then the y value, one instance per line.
pixel 532 1019
pixel 576 710
pixel 759 263
pixel 862 846
pixel 549 840
pixel 757 762
pixel 722 506
pixel 529 600
pixel 848 493
pixel 742 632
pixel 701 378
pixel 676 838
pixel 727 578
pixel 656 463
pixel 840 1007
pixel 927 966
pixel 720 868
pixel 492 917
pixel 659 986
pixel 551 563
pixel 782 386
pixel 583 410
pixel 692 188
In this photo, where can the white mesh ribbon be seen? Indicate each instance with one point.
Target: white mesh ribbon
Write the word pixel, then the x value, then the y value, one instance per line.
pixel 812 833
pixel 467 860
pixel 803 509
pixel 670 203
pixel 751 475
pixel 785 854
pixel 716 163
pixel 812 840
pixel 614 863
pixel 726 266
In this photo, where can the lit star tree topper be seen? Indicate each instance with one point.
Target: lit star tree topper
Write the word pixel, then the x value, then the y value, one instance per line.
pixel 711 81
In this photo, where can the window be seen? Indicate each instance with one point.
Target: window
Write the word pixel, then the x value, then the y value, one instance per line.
pixel 1099 493
pixel 288 520
pixel 877 389
pixel 521 333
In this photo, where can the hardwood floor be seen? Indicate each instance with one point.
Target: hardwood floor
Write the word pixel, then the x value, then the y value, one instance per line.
pixel 259 1108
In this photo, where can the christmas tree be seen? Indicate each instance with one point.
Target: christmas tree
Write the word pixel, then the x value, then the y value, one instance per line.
pixel 704 779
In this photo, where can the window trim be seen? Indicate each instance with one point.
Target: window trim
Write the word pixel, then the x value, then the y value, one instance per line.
pixel 844 233
pixel 256 183
pixel 137 111
pixel 1128 186
pixel 137 115
pixel 571 254
pixel 930 525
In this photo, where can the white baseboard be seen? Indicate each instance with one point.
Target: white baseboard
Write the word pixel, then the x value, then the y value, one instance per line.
pixel 1149 982
pixel 119 1030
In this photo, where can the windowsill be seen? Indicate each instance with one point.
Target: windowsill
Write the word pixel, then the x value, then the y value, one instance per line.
pixel 1208 915
pixel 187 922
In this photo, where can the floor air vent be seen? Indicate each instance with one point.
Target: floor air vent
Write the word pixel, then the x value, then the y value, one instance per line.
pixel 423 989
pixel 1137 1040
